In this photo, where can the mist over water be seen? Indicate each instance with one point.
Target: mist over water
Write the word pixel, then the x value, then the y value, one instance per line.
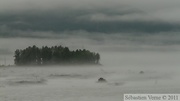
pixel 139 45
pixel 123 58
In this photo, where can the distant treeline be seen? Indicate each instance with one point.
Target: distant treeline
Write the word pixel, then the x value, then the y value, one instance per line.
pixel 54 55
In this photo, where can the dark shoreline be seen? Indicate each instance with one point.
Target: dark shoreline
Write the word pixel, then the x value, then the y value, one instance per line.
pixel 55 65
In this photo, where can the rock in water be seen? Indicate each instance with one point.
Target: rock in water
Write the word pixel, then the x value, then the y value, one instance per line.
pixel 141 72
pixel 102 80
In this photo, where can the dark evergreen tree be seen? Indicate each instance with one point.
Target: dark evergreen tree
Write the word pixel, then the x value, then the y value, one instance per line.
pixel 17 57
pixel 54 55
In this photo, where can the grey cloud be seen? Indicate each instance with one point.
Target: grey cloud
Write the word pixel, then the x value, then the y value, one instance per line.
pixel 93 16
pixel 58 19
pixel 87 20
pixel 161 9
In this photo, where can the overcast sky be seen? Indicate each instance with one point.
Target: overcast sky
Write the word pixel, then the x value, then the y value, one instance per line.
pixel 96 22
pixel 145 16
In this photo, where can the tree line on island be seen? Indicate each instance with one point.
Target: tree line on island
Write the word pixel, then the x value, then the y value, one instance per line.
pixel 54 55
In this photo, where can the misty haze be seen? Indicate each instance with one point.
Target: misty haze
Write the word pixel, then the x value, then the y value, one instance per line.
pixel 107 48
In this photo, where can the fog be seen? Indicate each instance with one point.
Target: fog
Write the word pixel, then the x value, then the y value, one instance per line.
pixel 138 41
pixel 121 69
pixel 123 57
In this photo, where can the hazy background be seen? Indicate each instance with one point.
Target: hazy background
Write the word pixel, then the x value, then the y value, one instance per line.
pixel 120 30
pixel 130 35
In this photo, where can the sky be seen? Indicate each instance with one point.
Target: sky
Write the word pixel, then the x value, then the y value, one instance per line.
pixel 108 25
pixel 104 16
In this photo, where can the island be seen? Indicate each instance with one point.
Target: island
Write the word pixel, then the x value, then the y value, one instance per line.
pixel 55 55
